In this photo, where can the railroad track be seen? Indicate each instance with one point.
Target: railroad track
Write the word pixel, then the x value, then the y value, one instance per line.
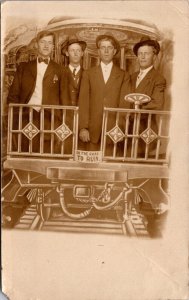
pixel 133 227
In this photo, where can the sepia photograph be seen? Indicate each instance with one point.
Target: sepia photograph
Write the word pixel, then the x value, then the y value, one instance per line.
pixel 94 150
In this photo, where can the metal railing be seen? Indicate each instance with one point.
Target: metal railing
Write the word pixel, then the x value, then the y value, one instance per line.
pixel 128 135
pixel 45 131
pixel 135 135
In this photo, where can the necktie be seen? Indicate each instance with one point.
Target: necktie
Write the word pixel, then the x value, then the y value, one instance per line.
pixel 139 78
pixel 75 78
pixel 45 60
pixel 74 73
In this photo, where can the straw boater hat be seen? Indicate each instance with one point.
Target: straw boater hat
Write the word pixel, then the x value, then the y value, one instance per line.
pixel 110 36
pixel 72 40
pixel 146 41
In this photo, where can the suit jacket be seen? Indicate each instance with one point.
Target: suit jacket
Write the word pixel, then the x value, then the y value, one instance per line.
pixel 153 85
pixel 95 94
pixel 24 83
pixel 70 87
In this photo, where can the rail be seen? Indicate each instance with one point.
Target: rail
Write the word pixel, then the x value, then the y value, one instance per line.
pixel 42 131
pixel 128 135
pixel 135 135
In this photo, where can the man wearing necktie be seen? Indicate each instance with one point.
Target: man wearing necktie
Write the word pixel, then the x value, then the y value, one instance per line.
pixel 100 87
pixel 37 82
pixel 148 81
pixel 73 48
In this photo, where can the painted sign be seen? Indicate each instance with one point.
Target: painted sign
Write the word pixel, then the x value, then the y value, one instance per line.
pixel 88 156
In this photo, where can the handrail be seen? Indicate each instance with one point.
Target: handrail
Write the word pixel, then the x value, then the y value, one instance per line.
pixel 128 135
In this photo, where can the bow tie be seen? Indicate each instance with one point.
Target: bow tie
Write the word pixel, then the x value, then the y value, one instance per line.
pixel 45 60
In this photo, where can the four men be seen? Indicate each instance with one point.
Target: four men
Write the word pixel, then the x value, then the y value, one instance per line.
pixel 44 82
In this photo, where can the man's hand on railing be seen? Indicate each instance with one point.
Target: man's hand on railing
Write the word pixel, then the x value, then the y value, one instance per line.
pixel 84 135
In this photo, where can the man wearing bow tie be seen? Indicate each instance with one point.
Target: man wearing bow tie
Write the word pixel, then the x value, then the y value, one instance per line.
pixel 73 48
pixel 100 87
pixel 38 82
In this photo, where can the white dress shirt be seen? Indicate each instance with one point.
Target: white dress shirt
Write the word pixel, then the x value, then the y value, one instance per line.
pixel 36 98
pixel 76 68
pixel 106 70
pixel 142 74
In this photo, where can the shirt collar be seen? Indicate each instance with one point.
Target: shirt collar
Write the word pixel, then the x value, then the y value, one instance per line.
pixel 108 66
pixel 72 68
pixel 145 71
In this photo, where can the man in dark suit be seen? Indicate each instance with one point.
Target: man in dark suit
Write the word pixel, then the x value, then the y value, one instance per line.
pixel 147 80
pixel 100 87
pixel 71 75
pixel 37 82
pixel 71 79
pixel 150 82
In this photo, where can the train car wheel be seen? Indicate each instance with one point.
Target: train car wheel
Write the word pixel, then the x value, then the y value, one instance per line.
pixel 43 207
pixel 46 211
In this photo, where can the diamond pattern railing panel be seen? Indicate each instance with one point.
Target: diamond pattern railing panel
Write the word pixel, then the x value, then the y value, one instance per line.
pixel 135 135
pixel 30 131
pixel 116 134
pixel 63 132
pixel 148 135
pixel 49 131
pixel 131 135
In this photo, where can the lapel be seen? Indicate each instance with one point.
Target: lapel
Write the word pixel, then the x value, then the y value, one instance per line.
pixel 50 69
pixel 79 74
pixel 99 76
pixel 33 68
pixel 133 81
pixel 70 76
pixel 143 85
pixel 113 75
